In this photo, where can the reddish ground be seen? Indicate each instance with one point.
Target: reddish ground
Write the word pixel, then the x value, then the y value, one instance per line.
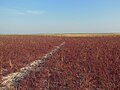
pixel 84 63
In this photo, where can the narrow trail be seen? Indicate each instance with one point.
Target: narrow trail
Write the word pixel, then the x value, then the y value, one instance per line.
pixel 10 81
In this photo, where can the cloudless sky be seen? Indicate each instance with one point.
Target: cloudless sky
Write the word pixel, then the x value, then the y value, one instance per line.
pixel 59 16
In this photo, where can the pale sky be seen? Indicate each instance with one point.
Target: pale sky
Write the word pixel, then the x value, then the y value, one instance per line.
pixel 59 16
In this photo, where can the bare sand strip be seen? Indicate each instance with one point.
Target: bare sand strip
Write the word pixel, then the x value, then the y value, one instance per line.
pixel 68 34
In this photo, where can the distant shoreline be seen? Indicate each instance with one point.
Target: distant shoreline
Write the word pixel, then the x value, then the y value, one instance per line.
pixel 68 34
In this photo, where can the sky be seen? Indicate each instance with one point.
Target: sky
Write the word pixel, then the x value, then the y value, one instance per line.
pixel 59 16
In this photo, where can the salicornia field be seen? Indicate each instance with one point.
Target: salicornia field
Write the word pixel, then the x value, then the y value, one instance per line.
pixel 83 63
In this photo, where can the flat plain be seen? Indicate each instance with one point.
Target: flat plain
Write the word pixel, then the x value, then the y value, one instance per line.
pixel 86 61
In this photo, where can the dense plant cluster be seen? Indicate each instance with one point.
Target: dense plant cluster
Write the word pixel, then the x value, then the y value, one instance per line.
pixel 84 63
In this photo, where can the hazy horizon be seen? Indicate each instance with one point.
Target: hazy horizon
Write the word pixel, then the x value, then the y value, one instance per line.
pixel 63 16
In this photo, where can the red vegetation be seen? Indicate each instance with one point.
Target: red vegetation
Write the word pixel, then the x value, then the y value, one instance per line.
pixel 84 63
